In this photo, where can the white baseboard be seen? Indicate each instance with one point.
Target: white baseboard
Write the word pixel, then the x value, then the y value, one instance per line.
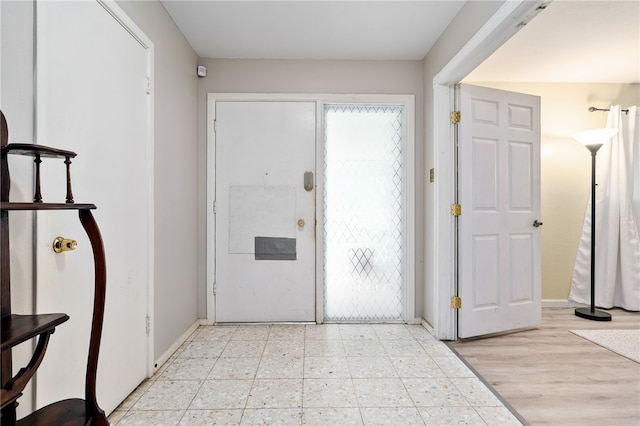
pixel 173 348
pixel 560 303
pixel 426 325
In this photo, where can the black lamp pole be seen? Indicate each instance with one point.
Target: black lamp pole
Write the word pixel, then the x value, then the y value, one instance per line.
pixel 591 313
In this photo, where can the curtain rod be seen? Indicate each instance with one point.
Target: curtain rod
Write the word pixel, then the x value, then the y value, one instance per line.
pixel 592 109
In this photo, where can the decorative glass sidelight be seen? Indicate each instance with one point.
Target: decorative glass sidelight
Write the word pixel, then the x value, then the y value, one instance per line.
pixel 363 216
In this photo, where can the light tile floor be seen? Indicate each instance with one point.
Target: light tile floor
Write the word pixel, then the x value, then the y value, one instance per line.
pixel 347 374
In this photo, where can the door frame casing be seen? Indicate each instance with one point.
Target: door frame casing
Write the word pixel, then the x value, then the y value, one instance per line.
pixel 407 101
pixel 508 20
pixel 136 32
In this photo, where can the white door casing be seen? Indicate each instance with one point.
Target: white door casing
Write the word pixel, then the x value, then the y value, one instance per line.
pixel 263 150
pixel 499 190
pixel 94 98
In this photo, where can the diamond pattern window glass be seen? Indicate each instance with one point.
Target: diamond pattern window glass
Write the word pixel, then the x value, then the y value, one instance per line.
pixel 363 213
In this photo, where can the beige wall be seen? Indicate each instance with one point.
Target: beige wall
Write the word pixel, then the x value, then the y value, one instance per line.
pixel 464 26
pixel 176 269
pixel 318 77
pixel 566 167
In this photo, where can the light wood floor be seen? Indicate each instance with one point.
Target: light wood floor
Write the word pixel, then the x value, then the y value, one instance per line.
pixel 551 376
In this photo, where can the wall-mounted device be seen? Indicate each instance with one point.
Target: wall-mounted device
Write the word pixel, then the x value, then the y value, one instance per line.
pixel 202 71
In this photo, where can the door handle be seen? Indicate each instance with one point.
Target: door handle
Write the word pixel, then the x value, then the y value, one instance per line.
pixel 63 244
pixel 301 223
pixel 308 181
pixel 537 224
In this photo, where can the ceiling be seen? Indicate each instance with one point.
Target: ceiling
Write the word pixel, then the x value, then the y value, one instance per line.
pixel 570 41
pixel 306 29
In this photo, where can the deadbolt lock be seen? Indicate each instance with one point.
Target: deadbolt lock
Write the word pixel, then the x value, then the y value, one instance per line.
pixel 63 244
pixel 308 181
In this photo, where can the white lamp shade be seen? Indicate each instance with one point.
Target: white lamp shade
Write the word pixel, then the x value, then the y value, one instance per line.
pixel 595 136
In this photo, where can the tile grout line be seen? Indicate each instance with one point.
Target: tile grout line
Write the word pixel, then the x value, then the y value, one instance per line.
pixel 353 385
pixel 205 377
pixel 404 385
pixel 255 375
pixel 304 360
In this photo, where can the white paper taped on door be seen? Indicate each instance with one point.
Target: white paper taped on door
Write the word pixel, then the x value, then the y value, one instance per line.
pixel 265 211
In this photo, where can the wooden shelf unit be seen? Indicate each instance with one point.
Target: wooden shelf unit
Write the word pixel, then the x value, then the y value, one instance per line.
pixel 17 328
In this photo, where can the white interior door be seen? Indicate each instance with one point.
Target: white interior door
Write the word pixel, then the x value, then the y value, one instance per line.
pixel 265 217
pixel 499 190
pixel 93 100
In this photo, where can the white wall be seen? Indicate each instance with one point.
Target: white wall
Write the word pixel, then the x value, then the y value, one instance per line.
pixel 178 282
pixel 16 85
pixel 466 23
pixel 17 103
pixel 566 167
pixel 317 77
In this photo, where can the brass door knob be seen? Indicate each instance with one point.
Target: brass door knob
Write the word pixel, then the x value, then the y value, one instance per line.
pixel 63 244
pixel 301 223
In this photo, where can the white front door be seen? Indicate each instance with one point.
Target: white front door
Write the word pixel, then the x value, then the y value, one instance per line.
pixel 499 190
pixel 93 100
pixel 265 211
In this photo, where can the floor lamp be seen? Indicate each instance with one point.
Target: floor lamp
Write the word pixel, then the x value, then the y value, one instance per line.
pixel 593 140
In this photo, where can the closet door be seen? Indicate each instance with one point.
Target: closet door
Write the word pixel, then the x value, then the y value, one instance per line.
pixel 92 98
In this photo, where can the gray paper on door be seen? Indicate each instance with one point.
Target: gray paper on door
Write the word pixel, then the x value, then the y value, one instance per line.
pixel 270 248
pixel 265 211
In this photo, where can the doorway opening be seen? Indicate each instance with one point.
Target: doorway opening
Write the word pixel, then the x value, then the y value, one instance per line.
pixel 502 25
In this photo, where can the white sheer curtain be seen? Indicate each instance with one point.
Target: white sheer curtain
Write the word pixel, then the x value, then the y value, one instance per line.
pixel 617 261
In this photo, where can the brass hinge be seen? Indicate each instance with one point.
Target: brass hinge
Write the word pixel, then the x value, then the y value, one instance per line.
pixel 455 117
pixel 456 209
pixel 456 302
